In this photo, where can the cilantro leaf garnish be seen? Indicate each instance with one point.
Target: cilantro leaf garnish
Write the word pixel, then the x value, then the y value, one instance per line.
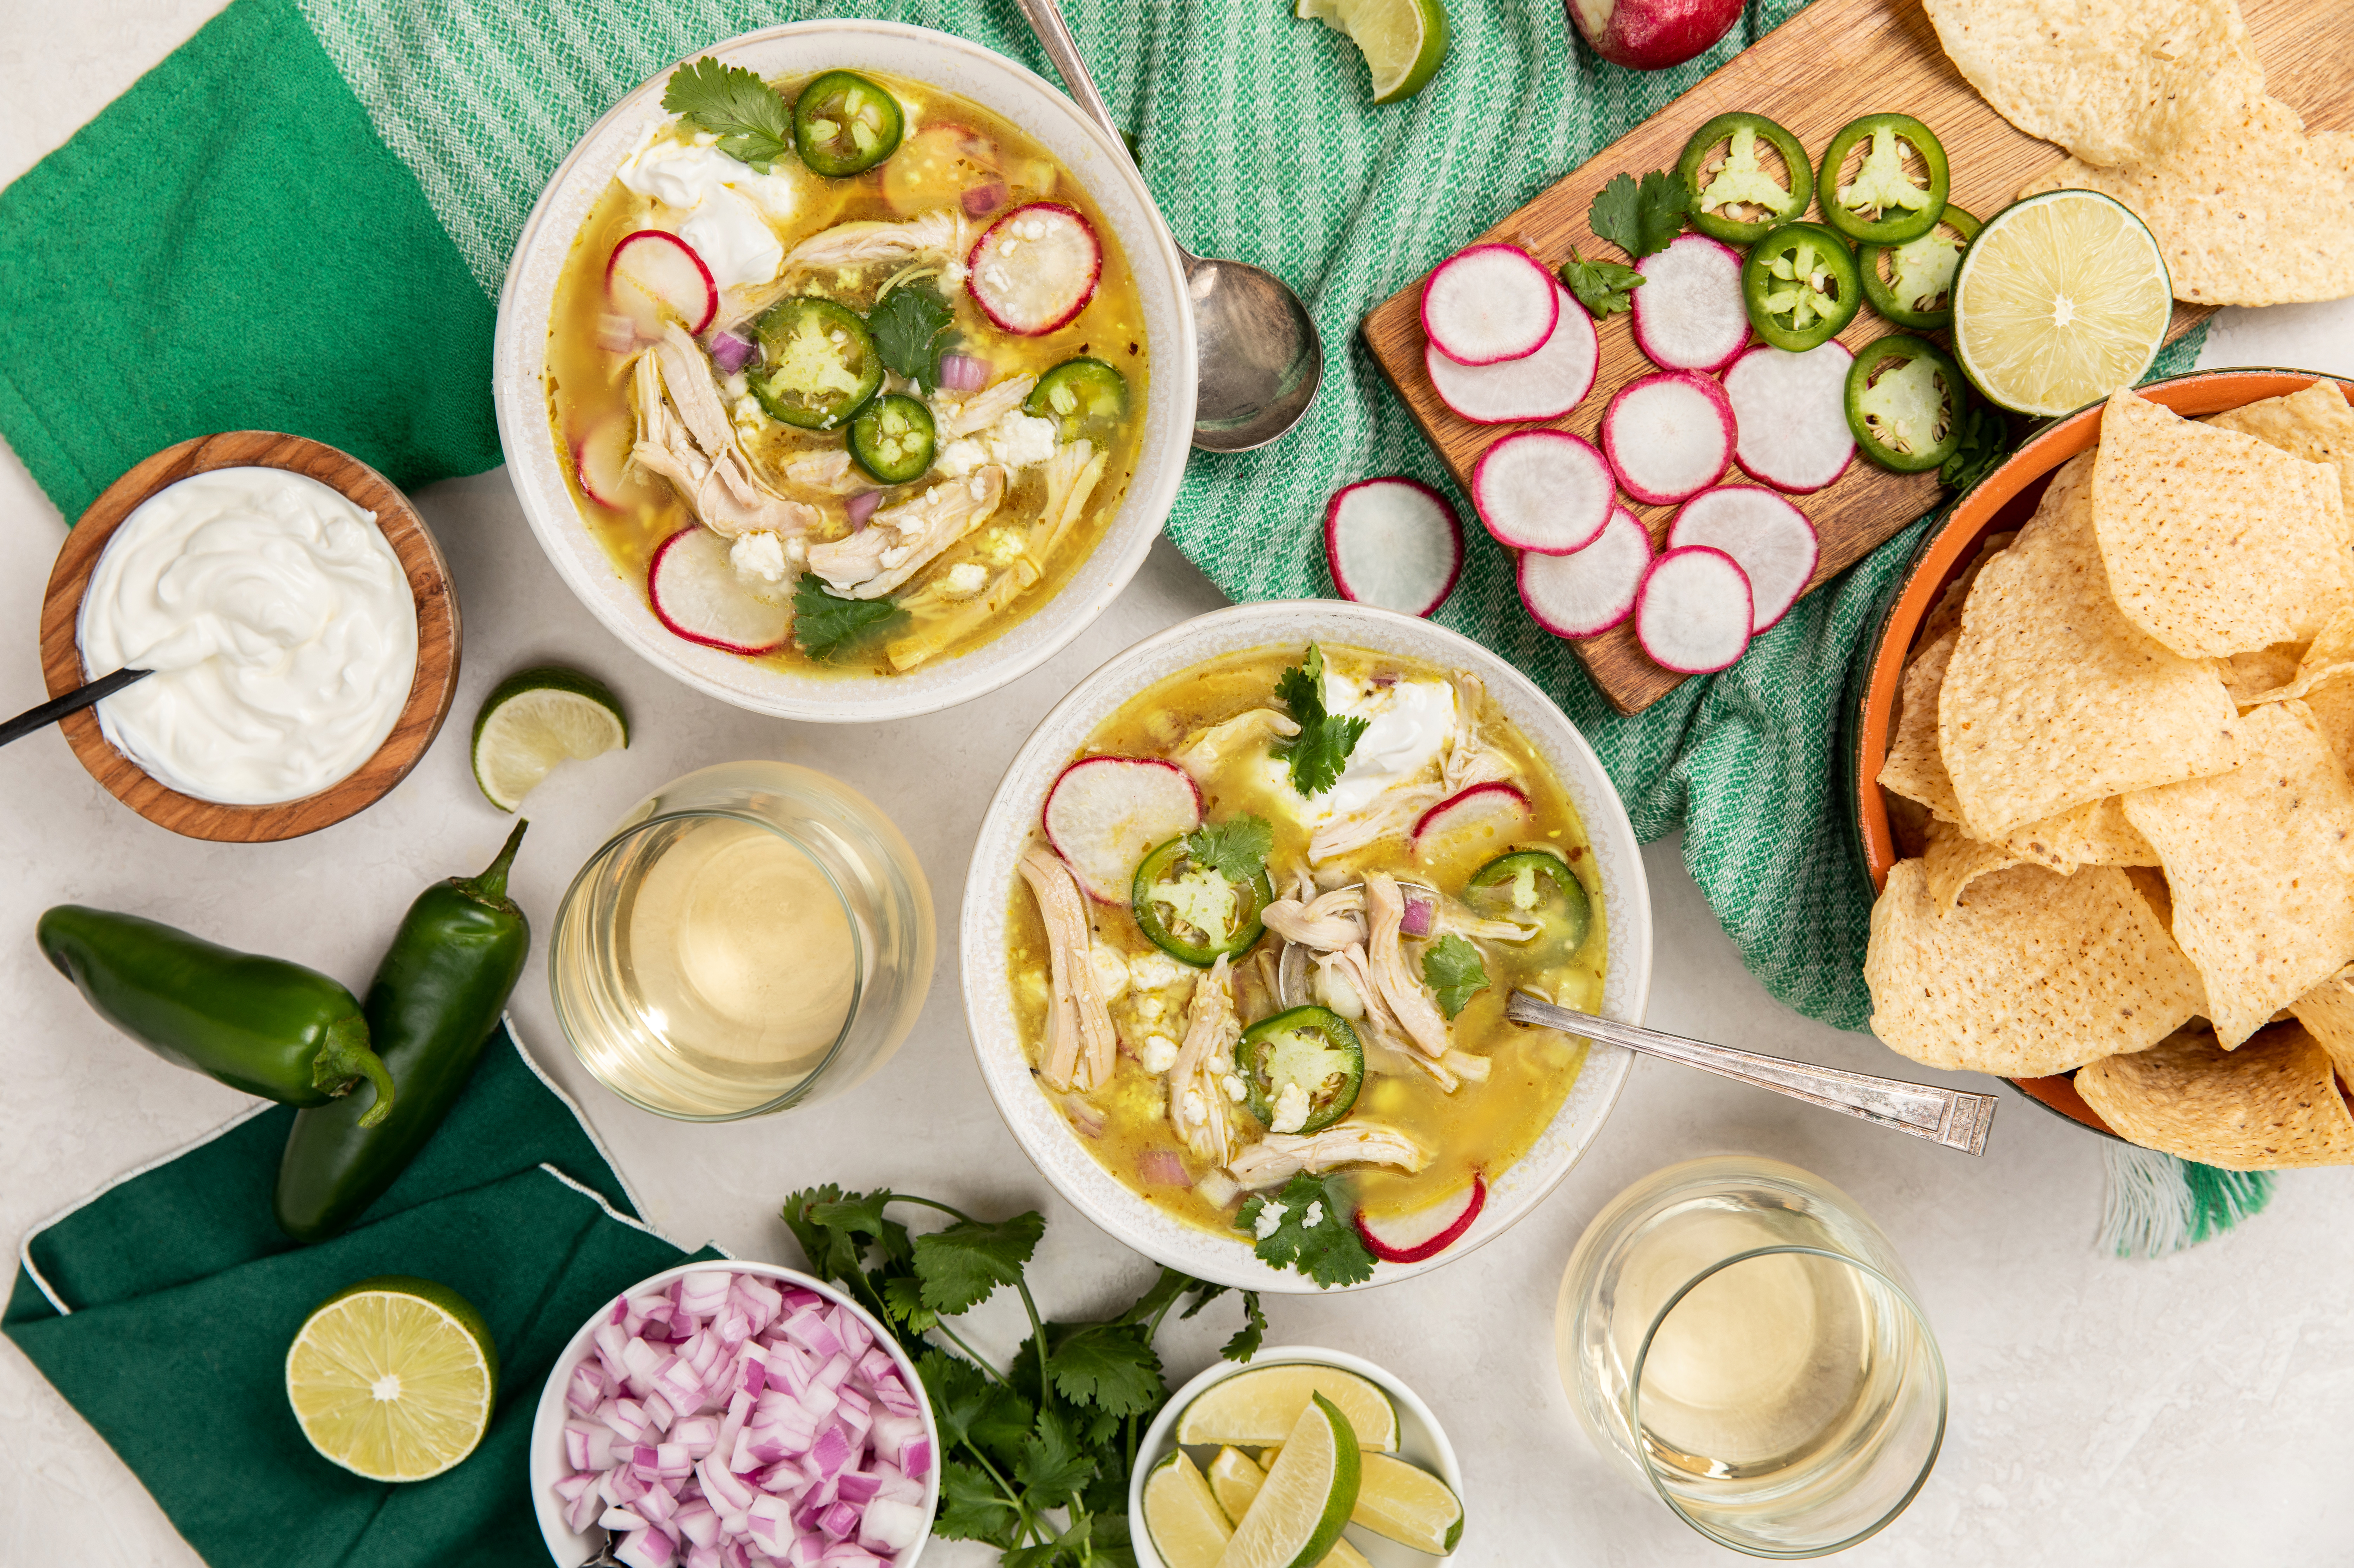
pixel 1235 849
pixel 754 124
pixel 1321 749
pixel 1604 288
pixel 1640 218
pixel 910 325
pixel 1451 966
pixel 824 623
pixel 1328 1250
pixel 962 1265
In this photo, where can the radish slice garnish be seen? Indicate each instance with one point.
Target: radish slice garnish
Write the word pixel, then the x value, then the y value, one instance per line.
pixel 1490 303
pixel 1410 1238
pixel 654 277
pixel 1105 814
pixel 1769 539
pixel 1035 268
pixel 1791 412
pixel 1541 386
pixel 1692 613
pixel 1494 809
pixel 1394 543
pixel 698 593
pixel 1592 590
pixel 1669 436
pixel 1689 312
pixel 1545 491
pixel 601 458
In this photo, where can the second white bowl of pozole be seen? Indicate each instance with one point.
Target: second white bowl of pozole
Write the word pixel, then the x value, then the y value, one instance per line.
pixel 1238 934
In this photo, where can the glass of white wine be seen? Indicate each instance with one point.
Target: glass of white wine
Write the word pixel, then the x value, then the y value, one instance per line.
pixel 753 937
pixel 1738 1336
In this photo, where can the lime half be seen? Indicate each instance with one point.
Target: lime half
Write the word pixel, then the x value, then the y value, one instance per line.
pixel 537 718
pixel 1404 41
pixel 1304 1504
pixel 2059 300
pixel 393 1378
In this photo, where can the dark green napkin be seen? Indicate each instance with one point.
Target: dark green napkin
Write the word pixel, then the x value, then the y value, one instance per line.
pixel 162 1309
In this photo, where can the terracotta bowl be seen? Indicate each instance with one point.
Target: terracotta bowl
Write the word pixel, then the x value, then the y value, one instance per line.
pixel 2004 499
pixel 436 638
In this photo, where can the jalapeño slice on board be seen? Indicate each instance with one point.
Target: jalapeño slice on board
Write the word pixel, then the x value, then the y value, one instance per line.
pixel 1917 289
pixel 1884 204
pixel 1800 285
pixel 1740 182
pixel 1906 399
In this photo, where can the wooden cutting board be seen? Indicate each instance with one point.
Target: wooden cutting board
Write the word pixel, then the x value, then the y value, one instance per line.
pixel 1834 61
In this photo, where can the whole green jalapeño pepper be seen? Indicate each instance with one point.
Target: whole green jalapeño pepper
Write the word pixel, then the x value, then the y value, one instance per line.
pixel 434 1002
pixel 259 1024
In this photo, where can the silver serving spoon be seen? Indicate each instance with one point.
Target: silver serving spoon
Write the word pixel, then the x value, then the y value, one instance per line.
pixel 1260 361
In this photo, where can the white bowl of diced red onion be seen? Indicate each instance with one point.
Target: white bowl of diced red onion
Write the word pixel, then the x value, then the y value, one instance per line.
pixel 731 1414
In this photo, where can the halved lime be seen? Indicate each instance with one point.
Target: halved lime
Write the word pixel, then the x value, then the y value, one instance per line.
pixel 1404 41
pixel 1187 1527
pixel 2059 300
pixel 1409 1505
pixel 393 1378
pixel 537 718
pixel 1302 1506
pixel 1258 1408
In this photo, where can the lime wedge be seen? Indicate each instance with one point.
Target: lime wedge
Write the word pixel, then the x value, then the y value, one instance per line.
pixel 2059 300
pixel 1404 41
pixel 1256 1409
pixel 1305 1501
pixel 537 718
pixel 1187 1528
pixel 393 1378
pixel 1235 1480
pixel 1409 1505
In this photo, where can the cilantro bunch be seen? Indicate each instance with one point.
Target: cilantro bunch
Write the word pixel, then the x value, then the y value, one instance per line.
pixel 1321 748
pixel 1036 1457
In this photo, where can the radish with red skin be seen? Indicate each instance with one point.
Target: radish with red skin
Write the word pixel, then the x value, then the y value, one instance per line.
pixel 1497 807
pixel 1105 814
pixel 1490 303
pixel 654 277
pixel 1411 1238
pixel 1542 385
pixel 1669 436
pixel 1394 543
pixel 1035 268
pixel 601 458
pixel 1771 541
pixel 1791 413
pixel 1689 312
pixel 1545 491
pixel 1692 613
pixel 697 594
pixel 1587 593
pixel 1650 34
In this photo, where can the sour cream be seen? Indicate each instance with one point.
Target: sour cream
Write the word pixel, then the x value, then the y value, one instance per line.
pixel 728 204
pixel 280 626
pixel 1408 724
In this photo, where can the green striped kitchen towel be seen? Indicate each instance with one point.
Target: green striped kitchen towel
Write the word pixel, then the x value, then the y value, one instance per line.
pixel 299 221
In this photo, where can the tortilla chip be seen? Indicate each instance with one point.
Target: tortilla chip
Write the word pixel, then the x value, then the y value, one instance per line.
pixel 2249 677
pixel 2052 699
pixel 2095 835
pixel 1954 859
pixel 2327 1013
pixel 2332 706
pixel 1945 615
pixel 2215 543
pixel 2258 861
pixel 1913 768
pixel 2328 657
pixel 2317 424
pixel 2272 1104
pixel 2252 212
pixel 2111 80
pixel 2031 974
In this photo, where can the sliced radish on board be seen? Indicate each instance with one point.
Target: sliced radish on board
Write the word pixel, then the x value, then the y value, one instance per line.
pixel 1691 614
pixel 601 458
pixel 1490 303
pixel 1541 386
pixel 1791 412
pixel 1668 436
pixel 697 594
pixel 1490 808
pixel 1394 543
pixel 1771 541
pixel 1689 312
pixel 1035 268
pixel 1105 814
pixel 1410 1238
pixel 1591 590
pixel 654 277
pixel 1545 491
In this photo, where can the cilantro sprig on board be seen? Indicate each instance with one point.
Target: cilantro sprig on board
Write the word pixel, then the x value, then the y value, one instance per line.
pixel 1604 288
pixel 1321 749
pixel 1640 218
pixel 754 124
pixel 1314 1232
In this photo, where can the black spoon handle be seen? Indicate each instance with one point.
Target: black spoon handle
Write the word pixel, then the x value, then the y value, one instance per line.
pixel 73 702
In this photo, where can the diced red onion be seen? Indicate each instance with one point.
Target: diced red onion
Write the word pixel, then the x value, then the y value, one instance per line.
pixel 647 1548
pixel 963 373
pixel 891 1525
pixel 729 352
pixel 979 201
pixel 1164 1168
pixel 862 507
pixel 616 335
pixel 1418 911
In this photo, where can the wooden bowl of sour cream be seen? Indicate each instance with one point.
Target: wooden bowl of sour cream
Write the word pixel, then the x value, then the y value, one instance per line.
pixel 430 689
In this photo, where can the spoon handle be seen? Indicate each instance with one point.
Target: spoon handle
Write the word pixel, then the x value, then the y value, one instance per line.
pixel 1046 19
pixel 1954 1118
pixel 73 702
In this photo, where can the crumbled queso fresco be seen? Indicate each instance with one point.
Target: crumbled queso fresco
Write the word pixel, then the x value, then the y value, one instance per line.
pixel 1271 1215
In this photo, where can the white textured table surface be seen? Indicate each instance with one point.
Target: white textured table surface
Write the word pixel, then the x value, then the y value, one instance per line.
pixel 2193 1411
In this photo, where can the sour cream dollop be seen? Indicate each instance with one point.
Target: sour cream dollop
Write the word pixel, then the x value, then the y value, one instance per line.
pixel 726 204
pixel 1408 723
pixel 280 626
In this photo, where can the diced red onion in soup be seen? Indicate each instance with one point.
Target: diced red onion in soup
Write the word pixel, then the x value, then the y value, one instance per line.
pixel 963 373
pixel 1419 908
pixel 616 335
pixel 862 507
pixel 729 352
pixel 979 201
pixel 1163 1168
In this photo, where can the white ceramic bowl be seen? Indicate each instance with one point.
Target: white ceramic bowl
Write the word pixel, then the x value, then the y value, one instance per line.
pixel 538 467
pixel 1421 1441
pixel 1044 1132
pixel 548 1426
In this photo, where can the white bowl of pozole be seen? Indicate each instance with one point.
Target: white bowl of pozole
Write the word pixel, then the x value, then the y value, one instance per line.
pixel 846 371
pixel 1240 927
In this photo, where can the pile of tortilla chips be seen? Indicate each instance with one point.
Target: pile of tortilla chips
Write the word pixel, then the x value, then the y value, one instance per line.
pixel 2126 737
pixel 2163 104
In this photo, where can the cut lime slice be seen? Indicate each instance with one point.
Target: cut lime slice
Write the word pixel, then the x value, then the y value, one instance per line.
pixel 1404 41
pixel 2059 300
pixel 537 718
pixel 1258 1409
pixel 393 1378
pixel 1305 1501
pixel 1409 1505
pixel 1187 1527
pixel 1235 1480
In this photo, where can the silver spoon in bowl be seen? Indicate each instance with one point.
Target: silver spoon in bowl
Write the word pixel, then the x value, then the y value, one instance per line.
pixel 1260 360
